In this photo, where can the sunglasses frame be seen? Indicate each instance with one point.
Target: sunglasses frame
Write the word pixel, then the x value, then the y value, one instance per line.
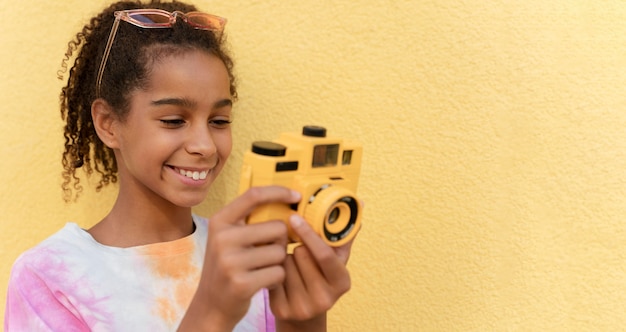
pixel 216 24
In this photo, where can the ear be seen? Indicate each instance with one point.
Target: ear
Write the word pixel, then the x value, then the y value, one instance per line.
pixel 105 122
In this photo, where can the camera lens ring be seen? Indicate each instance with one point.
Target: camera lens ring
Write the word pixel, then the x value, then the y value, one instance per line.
pixel 320 205
pixel 353 206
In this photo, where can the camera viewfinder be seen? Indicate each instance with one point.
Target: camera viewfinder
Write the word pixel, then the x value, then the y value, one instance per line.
pixel 347 157
pixel 325 155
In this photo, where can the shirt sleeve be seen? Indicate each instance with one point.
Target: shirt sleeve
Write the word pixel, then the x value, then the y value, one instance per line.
pixel 34 305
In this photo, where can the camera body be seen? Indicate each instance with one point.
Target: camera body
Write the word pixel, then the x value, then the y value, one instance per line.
pixel 324 170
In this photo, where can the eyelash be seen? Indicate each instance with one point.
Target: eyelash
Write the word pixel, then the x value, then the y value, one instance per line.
pixel 174 123
pixel 222 123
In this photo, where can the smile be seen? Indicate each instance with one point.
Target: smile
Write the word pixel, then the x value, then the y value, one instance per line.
pixel 192 174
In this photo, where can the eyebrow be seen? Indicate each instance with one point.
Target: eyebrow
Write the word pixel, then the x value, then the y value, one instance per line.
pixel 187 103
pixel 223 103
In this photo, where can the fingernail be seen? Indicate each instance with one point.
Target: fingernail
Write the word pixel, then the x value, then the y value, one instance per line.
pixel 295 195
pixel 296 220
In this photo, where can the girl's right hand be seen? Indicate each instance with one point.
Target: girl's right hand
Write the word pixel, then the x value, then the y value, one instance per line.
pixel 240 260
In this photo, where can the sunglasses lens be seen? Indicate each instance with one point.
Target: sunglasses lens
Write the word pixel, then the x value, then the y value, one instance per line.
pixel 205 21
pixel 150 18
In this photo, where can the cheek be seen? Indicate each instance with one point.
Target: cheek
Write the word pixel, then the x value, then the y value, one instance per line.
pixel 224 143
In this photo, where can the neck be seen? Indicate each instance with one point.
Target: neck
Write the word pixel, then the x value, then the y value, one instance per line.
pixel 138 220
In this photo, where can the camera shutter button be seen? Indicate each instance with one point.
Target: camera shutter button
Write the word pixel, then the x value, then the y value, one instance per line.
pixel 314 131
pixel 266 148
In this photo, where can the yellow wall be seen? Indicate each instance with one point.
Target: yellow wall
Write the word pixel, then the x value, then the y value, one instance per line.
pixel 495 147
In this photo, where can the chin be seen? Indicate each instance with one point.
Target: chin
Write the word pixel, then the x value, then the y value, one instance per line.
pixel 188 203
pixel 187 200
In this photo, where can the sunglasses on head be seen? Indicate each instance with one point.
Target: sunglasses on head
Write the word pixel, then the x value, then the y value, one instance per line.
pixel 157 18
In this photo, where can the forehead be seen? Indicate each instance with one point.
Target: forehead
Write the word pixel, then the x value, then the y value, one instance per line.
pixel 193 74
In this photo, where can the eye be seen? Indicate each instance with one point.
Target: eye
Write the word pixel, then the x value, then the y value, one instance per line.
pixel 172 123
pixel 220 123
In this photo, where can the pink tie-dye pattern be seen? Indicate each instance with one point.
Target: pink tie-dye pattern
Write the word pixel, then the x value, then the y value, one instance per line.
pixel 270 323
pixel 72 283
pixel 36 302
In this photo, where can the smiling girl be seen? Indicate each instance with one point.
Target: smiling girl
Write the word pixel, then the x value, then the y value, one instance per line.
pixel 149 104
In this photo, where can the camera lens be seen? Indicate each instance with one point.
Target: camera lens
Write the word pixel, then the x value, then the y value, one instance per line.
pixel 341 219
pixel 334 215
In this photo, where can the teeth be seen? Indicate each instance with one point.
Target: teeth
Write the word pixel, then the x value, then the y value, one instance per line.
pixel 194 174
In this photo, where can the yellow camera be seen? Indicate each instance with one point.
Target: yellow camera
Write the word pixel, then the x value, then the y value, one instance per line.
pixel 324 170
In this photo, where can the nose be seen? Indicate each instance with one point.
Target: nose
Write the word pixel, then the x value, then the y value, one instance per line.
pixel 200 141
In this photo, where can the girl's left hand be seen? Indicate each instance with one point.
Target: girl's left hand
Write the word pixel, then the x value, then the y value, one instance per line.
pixel 316 277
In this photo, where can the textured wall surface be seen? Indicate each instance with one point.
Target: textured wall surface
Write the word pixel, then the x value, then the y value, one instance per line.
pixel 494 172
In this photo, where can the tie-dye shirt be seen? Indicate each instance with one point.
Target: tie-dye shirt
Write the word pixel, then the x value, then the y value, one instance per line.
pixel 70 282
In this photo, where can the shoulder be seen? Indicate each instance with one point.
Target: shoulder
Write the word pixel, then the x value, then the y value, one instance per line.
pixel 53 253
pixel 46 279
pixel 43 269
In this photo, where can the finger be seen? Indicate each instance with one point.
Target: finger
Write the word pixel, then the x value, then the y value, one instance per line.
pixel 293 279
pixel 278 300
pixel 343 252
pixel 250 283
pixel 237 210
pixel 306 264
pixel 271 232
pixel 330 265
pixel 262 256
pixel 296 291
pixel 322 292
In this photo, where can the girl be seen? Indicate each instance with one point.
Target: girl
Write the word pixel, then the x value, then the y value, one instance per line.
pixel 149 103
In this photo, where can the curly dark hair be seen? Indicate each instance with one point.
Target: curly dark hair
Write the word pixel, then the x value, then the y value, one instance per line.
pixel 132 52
